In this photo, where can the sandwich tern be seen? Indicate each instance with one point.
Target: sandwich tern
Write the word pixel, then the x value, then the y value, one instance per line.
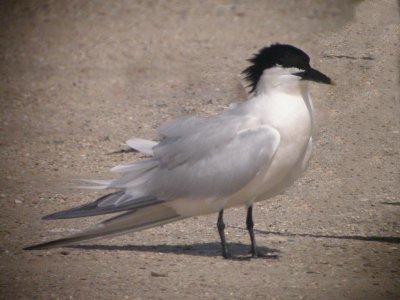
pixel 249 153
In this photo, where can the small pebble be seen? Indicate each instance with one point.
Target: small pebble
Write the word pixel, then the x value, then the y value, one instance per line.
pixel 156 274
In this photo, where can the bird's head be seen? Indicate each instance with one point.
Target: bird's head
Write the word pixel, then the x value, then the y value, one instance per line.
pixel 279 66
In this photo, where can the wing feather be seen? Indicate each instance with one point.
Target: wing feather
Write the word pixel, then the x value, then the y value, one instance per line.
pixel 219 168
pixel 110 203
pixel 191 139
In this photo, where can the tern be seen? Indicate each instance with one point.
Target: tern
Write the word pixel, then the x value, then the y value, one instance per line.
pixel 251 152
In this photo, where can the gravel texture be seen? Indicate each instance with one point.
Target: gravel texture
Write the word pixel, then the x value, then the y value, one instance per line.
pixel 80 77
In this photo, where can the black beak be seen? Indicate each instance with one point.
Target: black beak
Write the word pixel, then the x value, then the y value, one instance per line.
pixel 314 75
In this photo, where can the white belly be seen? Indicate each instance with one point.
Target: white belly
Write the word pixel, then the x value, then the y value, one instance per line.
pixel 290 160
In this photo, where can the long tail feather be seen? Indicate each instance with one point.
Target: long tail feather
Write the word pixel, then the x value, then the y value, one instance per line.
pixel 136 220
pixel 110 203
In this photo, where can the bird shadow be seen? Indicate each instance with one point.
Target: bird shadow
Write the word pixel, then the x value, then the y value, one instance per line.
pixel 238 250
pixel 197 249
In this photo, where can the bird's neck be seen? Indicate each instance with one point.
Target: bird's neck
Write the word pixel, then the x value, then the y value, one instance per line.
pixel 288 84
pixel 282 104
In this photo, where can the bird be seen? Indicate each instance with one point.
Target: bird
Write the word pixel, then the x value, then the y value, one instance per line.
pixel 250 152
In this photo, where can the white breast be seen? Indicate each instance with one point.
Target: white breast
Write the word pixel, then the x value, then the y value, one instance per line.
pixel 291 115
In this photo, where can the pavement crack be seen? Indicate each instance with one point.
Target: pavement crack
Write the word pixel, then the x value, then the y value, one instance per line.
pixel 349 57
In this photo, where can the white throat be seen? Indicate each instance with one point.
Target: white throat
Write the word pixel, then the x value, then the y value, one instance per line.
pixel 278 79
pixel 283 98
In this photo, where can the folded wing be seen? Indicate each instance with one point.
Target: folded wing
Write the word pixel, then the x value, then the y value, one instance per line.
pixel 203 159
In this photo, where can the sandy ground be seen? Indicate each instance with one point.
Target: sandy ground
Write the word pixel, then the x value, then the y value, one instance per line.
pixel 80 77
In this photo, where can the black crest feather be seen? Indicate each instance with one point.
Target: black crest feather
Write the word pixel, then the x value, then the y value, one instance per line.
pixel 286 56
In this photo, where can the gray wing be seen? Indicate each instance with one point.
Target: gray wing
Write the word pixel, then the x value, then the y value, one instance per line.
pixel 215 158
pixel 111 203
pixel 212 161
pixel 191 139
pixel 198 158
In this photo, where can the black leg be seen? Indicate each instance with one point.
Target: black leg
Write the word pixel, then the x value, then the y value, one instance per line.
pixel 250 226
pixel 221 228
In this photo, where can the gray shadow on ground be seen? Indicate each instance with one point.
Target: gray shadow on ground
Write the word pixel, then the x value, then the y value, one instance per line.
pixel 196 249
